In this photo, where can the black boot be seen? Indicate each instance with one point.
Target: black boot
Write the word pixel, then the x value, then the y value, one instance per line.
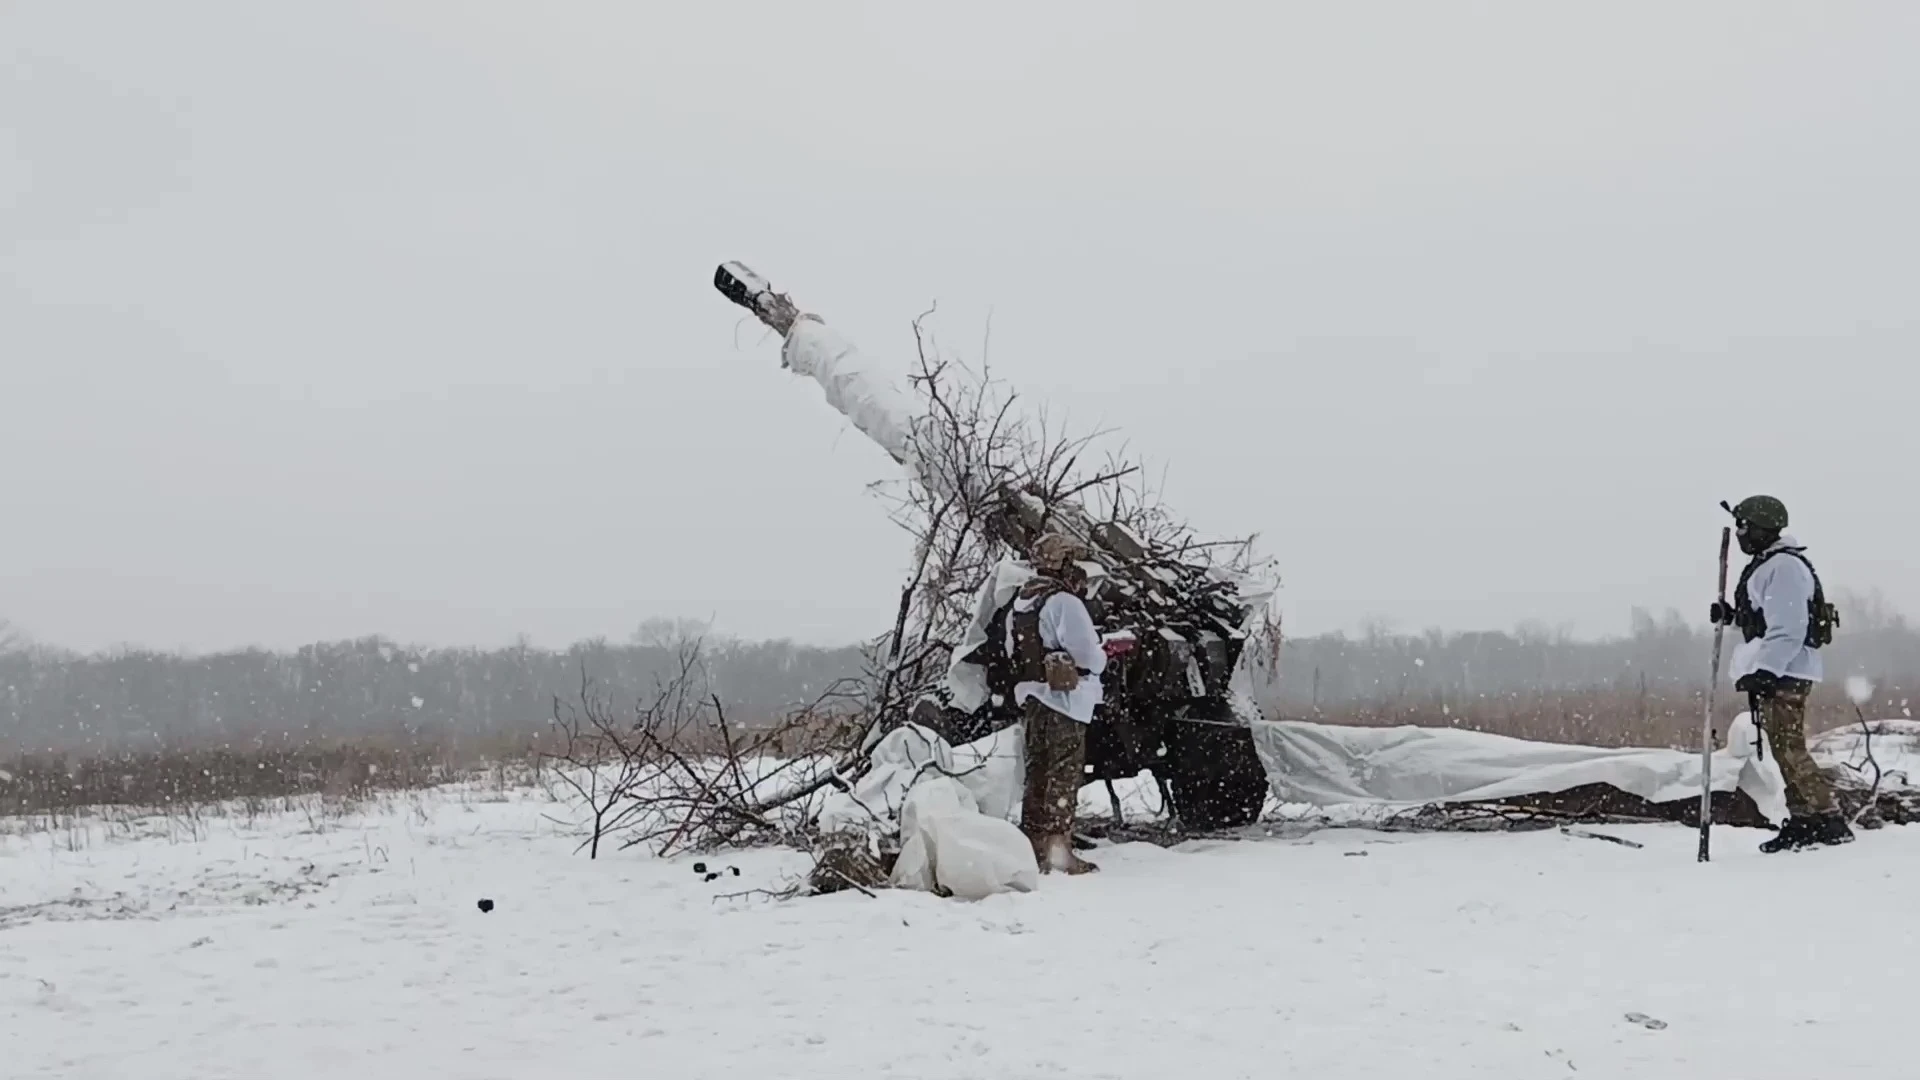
pixel 1793 836
pixel 1831 828
pixel 1810 830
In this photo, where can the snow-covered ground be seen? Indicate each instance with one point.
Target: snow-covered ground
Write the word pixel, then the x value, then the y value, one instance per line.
pixel 298 946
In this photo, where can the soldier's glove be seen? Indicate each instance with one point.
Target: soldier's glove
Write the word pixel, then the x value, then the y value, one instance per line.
pixel 1720 614
pixel 1759 684
pixel 1062 673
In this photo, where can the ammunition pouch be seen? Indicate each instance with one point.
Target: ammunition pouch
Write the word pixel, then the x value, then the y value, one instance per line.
pixel 1062 674
pixel 1820 626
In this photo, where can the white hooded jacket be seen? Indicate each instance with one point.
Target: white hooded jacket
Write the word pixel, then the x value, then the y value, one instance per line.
pixel 1064 625
pixel 1780 589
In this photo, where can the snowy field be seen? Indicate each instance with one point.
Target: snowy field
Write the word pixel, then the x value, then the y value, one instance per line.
pixel 301 947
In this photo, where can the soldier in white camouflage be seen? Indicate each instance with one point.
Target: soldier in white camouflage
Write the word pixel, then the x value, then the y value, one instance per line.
pixel 1057 658
pixel 1784 618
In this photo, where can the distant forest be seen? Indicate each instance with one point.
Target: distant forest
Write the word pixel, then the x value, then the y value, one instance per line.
pixel 55 701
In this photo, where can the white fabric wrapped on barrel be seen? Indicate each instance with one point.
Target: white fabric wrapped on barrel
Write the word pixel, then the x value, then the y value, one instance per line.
pixel 874 396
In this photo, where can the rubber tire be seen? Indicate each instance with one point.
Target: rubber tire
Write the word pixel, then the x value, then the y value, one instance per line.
pixel 1215 776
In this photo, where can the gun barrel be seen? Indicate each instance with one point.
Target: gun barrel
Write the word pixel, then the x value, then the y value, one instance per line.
pixel 870 394
pixel 876 398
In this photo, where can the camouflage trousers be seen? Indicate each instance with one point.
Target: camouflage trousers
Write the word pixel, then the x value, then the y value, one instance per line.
pixel 1056 766
pixel 1783 716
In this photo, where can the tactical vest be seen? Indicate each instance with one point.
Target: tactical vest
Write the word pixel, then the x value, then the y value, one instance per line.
pixel 1822 617
pixel 1029 652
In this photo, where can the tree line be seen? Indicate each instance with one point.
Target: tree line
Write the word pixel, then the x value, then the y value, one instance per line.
pixel 1660 655
pixel 129 699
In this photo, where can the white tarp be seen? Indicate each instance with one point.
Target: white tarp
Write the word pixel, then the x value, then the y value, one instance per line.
pixel 992 770
pixel 1331 765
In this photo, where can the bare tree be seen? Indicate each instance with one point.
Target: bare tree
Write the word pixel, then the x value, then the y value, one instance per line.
pixel 676 773
pixel 595 761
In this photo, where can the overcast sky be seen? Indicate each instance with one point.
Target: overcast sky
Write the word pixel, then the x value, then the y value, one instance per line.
pixel 339 318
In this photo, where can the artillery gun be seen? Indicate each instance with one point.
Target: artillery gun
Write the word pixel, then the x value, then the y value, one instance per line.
pixel 1177 696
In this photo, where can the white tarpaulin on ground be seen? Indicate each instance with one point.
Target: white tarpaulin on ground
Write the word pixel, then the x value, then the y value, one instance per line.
pixel 1328 765
pixel 1331 765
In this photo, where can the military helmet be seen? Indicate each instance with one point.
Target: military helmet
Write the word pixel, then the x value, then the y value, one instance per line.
pixel 1054 551
pixel 1761 512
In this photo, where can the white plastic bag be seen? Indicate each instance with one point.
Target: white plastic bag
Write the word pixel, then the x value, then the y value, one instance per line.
pixel 976 856
pixel 946 843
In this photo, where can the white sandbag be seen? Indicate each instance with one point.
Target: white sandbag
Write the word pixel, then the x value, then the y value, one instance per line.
pixel 946 842
pixel 913 868
pixel 976 856
pixel 930 799
pixel 935 797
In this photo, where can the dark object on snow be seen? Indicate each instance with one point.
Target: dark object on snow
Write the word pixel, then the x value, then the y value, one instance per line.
pixel 1604 802
pixel 1810 830
pixel 1587 835
pixel 711 877
pixel 699 868
pixel 486 906
pixel 735 870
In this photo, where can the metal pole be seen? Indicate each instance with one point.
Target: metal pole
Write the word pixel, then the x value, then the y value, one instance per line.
pixel 1706 722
